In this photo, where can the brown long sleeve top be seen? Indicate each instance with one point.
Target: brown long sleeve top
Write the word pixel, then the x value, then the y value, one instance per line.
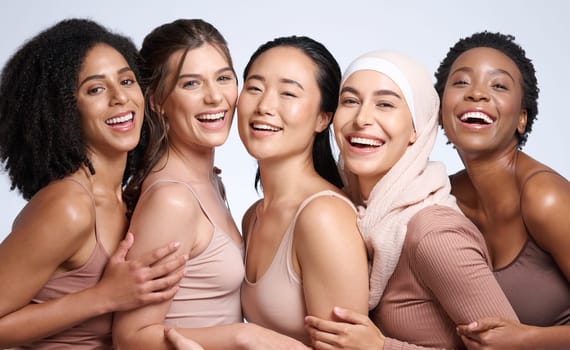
pixel 443 279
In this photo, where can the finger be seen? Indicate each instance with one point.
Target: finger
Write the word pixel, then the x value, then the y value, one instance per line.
pixel 485 324
pixel 319 345
pixel 324 325
pixel 126 244
pixel 323 339
pixel 170 267
pixel 165 282
pixel 179 341
pixel 351 316
pixel 157 254
pixel 471 344
pixel 160 296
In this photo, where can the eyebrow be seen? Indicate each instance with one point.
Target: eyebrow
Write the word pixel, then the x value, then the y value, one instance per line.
pixel 495 71
pixel 219 71
pixel 381 92
pixel 282 80
pixel 102 76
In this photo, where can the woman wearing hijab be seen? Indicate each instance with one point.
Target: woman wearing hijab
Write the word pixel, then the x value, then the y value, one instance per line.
pixel 429 268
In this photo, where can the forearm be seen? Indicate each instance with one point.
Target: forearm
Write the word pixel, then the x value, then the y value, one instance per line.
pixel 547 338
pixel 37 321
pixel 232 336
pixel 394 344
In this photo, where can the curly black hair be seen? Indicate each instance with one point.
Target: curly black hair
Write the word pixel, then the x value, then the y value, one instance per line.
pixel 506 44
pixel 41 138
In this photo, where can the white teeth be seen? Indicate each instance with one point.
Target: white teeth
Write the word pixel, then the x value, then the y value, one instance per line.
pixel 119 120
pixel 366 142
pixel 257 126
pixel 215 116
pixel 476 116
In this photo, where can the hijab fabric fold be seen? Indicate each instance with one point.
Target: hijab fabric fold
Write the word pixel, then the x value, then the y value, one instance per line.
pixel 413 183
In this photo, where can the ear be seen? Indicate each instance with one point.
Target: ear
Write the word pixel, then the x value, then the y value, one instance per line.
pixel 155 107
pixel 521 126
pixel 413 137
pixel 323 120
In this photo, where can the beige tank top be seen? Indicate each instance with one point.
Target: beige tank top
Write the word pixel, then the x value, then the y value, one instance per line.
pixel 276 300
pixel 94 333
pixel 209 292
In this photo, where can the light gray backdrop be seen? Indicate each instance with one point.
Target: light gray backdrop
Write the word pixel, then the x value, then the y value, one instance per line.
pixel 424 29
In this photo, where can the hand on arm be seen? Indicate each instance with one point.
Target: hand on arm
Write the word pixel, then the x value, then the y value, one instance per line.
pixel 352 331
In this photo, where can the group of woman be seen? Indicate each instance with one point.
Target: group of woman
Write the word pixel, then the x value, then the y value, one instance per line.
pixel 383 250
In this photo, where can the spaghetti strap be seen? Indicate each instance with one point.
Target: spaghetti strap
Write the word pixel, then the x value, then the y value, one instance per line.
pixel 187 186
pixel 92 202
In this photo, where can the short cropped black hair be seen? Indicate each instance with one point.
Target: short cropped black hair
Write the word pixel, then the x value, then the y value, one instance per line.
pixel 506 44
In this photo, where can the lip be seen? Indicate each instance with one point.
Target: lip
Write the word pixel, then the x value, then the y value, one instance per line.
pixel 476 126
pixel 264 128
pixel 213 120
pixel 116 123
pixel 361 143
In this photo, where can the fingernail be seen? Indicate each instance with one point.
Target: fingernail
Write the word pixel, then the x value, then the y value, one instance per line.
pixel 176 244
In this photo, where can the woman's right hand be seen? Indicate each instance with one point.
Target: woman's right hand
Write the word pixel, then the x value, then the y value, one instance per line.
pixel 258 338
pixel 179 341
pixel 129 284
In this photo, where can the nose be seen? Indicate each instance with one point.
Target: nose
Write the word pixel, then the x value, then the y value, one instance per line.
pixel 213 94
pixel 363 116
pixel 266 103
pixel 118 95
pixel 477 93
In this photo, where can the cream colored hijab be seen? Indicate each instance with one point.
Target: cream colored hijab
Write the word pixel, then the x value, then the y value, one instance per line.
pixel 413 183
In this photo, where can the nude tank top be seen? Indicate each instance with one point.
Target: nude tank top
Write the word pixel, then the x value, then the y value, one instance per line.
pixel 276 300
pixel 94 333
pixel 209 292
pixel 536 288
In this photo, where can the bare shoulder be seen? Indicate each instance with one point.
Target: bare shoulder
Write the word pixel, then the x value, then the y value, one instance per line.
pixel 545 207
pixel 167 196
pixel 325 220
pixel 62 208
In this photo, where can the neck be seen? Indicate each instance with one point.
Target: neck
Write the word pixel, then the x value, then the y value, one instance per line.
pixel 108 174
pixel 198 162
pixel 282 178
pixel 493 176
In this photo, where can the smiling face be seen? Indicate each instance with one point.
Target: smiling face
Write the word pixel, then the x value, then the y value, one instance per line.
pixel 279 106
pixel 481 106
pixel 109 101
pixel 200 108
pixel 373 126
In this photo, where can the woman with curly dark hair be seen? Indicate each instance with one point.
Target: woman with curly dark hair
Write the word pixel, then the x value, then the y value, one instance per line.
pixel 70 111
pixel 489 93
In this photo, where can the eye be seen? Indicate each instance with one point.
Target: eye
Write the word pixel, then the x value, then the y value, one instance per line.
pixel 288 94
pixel 384 105
pixel 253 89
pixel 226 77
pixel 348 101
pixel 190 84
pixel 128 81
pixel 459 82
pixel 95 90
pixel 500 86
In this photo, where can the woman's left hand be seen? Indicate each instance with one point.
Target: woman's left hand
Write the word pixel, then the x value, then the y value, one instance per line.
pixel 493 333
pixel 353 331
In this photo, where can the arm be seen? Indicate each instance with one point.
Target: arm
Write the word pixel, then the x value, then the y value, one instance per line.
pixel 331 258
pixel 61 210
pixel 545 208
